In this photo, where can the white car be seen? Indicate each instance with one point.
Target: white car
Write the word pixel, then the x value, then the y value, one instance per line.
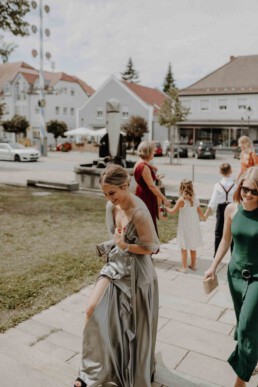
pixel 18 152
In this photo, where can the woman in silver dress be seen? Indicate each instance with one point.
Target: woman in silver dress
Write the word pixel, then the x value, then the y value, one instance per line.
pixel 122 314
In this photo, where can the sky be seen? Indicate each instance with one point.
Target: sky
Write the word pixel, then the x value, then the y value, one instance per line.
pixel 93 39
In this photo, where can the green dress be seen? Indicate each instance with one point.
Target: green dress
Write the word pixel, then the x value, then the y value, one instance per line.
pixel 244 291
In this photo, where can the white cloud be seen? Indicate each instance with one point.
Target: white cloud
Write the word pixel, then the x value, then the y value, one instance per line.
pixel 94 38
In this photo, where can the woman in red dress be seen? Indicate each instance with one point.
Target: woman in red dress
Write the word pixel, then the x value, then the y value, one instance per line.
pixel 144 174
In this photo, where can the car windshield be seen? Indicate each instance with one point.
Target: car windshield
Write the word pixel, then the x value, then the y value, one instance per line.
pixel 202 143
pixel 17 146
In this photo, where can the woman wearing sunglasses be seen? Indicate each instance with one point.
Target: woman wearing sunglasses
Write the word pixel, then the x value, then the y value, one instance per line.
pixel 241 224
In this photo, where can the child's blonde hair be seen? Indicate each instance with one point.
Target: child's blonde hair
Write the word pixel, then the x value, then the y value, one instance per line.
pixel 186 190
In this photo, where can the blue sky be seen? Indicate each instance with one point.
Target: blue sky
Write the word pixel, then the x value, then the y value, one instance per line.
pixel 93 39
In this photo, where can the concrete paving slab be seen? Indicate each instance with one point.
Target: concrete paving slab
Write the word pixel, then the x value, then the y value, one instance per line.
pixel 197 339
pixel 228 317
pixel 201 322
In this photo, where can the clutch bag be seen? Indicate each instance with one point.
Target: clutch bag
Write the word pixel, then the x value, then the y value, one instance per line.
pixel 209 285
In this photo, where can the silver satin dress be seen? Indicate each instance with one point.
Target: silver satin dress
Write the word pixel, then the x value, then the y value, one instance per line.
pixel 119 338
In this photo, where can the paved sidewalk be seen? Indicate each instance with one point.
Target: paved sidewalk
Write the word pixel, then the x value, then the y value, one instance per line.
pixel 195 335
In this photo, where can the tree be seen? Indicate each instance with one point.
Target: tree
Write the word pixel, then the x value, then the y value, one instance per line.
pixel 12 13
pixel 2 109
pixel 18 124
pixel 135 129
pixel 57 128
pixel 130 74
pixel 170 113
pixel 169 80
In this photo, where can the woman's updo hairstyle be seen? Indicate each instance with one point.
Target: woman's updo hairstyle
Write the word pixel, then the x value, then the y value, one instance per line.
pixel 145 149
pixel 115 175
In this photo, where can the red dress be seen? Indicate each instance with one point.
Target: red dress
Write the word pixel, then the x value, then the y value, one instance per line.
pixel 143 192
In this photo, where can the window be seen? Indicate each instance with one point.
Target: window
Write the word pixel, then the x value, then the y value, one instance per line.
pixel 72 92
pixel 125 112
pixel 7 88
pixel 57 110
pixel 242 103
pixel 37 110
pixel 65 110
pixel 6 109
pixel 223 104
pixel 36 132
pixel 72 111
pixel 204 104
pixel 100 113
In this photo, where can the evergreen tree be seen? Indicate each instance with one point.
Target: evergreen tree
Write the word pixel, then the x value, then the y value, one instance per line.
pixel 170 113
pixel 12 13
pixel 130 74
pixel 169 80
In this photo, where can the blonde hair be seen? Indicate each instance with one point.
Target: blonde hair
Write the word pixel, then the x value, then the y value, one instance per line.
pixel 186 190
pixel 250 174
pixel 244 140
pixel 145 149
pixel 115 175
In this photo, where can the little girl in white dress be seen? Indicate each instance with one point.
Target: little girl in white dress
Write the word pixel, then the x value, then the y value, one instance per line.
pixel 189 235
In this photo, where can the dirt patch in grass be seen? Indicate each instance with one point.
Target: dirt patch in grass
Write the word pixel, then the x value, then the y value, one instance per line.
pixel 48 248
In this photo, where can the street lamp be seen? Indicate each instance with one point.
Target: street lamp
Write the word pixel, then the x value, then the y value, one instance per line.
pixel 42 101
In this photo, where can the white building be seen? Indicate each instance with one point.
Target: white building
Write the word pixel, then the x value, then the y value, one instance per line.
pixel 64 94
pixel 135 100
pixel 224 104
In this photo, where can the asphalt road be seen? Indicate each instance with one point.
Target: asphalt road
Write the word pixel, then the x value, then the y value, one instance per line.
pixel 59 166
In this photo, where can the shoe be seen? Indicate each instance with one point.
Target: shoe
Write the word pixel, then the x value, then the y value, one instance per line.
pixel 192 268
pixel 83 384
pixel 181 270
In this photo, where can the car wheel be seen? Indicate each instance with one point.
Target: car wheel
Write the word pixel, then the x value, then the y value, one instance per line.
pixel 17 158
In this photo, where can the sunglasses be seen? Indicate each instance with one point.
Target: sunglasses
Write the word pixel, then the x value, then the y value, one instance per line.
pixel 246 190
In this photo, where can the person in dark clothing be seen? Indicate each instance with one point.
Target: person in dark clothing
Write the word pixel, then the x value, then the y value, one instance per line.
pixel 222 195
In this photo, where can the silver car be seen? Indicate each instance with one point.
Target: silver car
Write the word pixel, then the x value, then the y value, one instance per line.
pixel 18 152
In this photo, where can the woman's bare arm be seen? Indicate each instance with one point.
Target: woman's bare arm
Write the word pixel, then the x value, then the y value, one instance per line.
pixel 146 174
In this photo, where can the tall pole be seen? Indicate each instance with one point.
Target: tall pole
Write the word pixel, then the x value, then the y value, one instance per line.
pixel 42 84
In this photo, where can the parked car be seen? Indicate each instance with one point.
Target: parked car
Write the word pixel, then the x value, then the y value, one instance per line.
pixel 183 150
pixel 159 150
pixel 204 149
pixel 18 152
pixel 237 151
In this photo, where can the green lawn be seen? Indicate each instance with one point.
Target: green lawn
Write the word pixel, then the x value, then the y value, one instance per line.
pixel 48 248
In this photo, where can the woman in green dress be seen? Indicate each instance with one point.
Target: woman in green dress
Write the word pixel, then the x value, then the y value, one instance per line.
pixel 241 223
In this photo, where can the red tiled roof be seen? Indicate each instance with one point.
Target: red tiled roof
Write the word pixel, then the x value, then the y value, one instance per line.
pixel 8 72
pixel 153 97
pixel 87 88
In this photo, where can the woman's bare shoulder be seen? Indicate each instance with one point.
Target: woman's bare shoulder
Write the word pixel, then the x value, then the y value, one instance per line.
pixel 231 210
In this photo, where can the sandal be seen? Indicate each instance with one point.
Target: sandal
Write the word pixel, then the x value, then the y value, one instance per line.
pixel 83 384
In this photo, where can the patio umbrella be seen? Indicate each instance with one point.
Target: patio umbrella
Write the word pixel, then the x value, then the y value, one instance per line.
pixel 80 132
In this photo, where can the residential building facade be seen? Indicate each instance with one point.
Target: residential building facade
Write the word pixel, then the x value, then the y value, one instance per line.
pixel 223 105
pixel 135 100
pixel 19 90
